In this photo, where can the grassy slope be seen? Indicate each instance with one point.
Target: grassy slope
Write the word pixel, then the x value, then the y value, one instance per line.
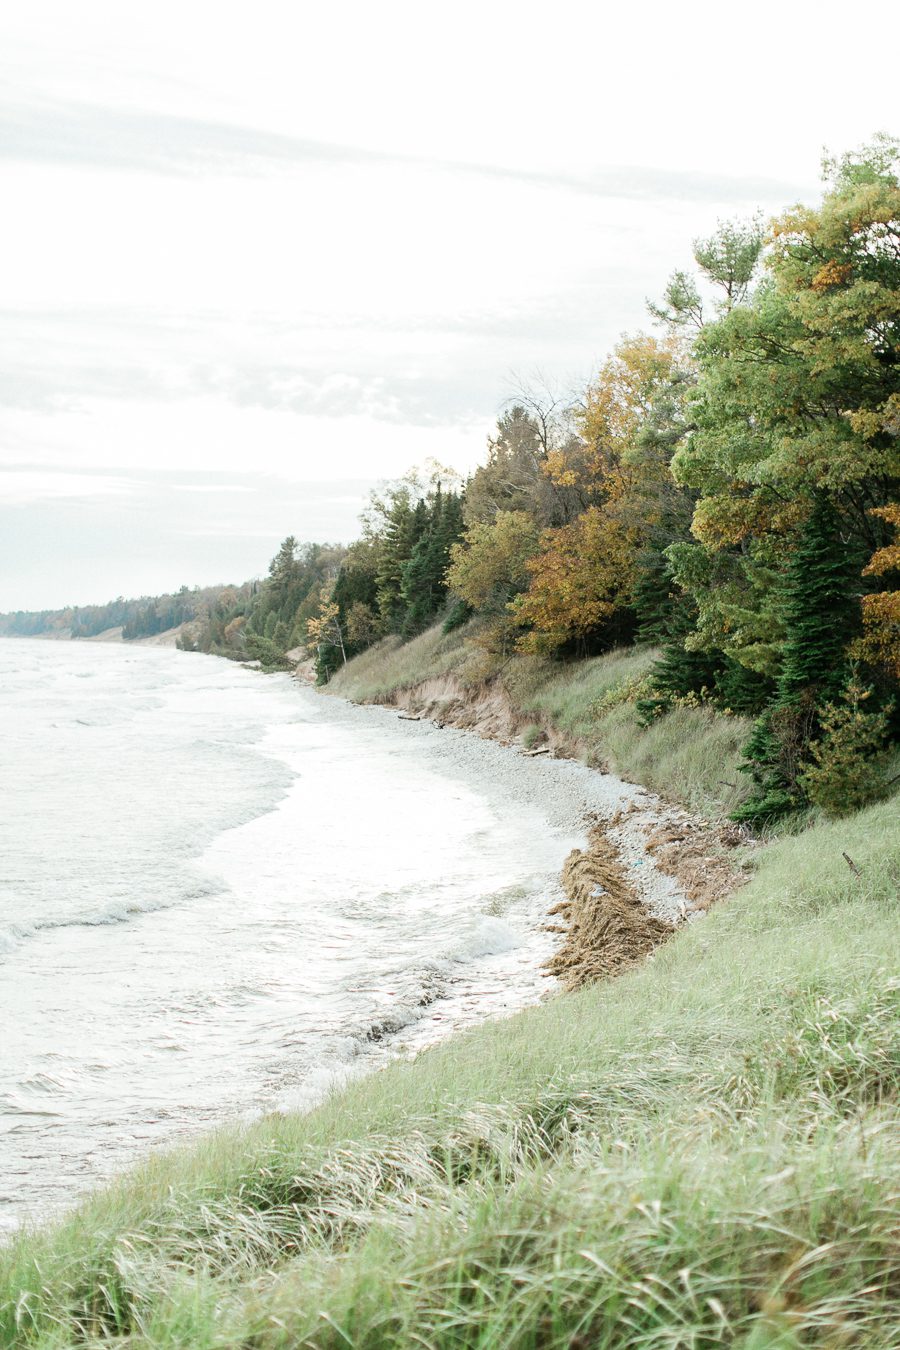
pixel 691 754
pixel 393 664
pixel 702 1153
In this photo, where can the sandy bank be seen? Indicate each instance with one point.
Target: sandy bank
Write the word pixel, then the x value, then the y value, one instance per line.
pixel 166 639
pixel 646 866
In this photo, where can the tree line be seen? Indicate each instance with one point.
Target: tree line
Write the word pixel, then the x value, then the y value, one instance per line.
pixel 726 487
pixel 142 617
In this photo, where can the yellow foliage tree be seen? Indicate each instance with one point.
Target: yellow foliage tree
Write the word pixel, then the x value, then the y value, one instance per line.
pixel 325 627
pixel 491 562
pixel 595 466
pixel 489 566
pixel 880 641
pixel 582 574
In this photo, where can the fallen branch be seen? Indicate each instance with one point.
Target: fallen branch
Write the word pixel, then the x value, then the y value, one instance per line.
pixel 851 864
pixel 408 717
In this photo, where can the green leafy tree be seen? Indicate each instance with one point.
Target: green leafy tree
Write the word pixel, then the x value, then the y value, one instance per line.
pixel 798 395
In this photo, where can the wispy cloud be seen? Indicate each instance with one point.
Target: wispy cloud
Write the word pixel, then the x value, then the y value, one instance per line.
pixel 117 138
pixel 114 138
pixel 439 370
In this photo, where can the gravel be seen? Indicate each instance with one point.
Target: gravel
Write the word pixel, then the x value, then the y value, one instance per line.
pixel 571 796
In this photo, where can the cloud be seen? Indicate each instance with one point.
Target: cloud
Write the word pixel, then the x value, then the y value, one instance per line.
pixel 86 134
pixel 83 134
pixel 21 487
pixel 212 487
pixel 425 369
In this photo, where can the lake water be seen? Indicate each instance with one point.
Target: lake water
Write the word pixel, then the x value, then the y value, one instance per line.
pixel 221 893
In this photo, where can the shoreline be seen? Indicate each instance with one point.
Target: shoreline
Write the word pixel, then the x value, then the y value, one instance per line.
pixel 654 865
pixel 596 1133
pixel 572 934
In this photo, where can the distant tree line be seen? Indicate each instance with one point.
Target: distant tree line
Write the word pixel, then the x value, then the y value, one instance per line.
pixel 143 617
pixel 264 620
pixel 336 600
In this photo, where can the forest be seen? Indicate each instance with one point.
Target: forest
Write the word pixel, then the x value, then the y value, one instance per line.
pixel 144 617
pixel 726 488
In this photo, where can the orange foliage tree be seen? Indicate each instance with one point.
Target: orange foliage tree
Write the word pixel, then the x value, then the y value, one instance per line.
pixel 594 466
pixel 582 574
pixel 880 642
pixel 584 571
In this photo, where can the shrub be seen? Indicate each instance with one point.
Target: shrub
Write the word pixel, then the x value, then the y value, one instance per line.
pixel 459 614
pixel 848 768
pixel 633 689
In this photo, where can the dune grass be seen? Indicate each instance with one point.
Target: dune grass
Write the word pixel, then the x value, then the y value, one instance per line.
pixel 691 754
pixel 703 1153
pixel 568 692
pixel 392 664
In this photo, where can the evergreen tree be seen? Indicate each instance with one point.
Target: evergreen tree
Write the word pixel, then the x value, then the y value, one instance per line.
pixel 284 572
pixel 820 604
pixel 680 671
pixel 821 607
pixel 652 597
pixel 405 526
pixel 742 690
pixel 424 585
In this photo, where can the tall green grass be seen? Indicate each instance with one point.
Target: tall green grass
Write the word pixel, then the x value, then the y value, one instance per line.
pixel 567 693
pixel 691 754
pixel 392 665
pixel 703 1153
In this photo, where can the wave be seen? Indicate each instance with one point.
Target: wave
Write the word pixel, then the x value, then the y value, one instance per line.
pixel 489 937
pixel 12 936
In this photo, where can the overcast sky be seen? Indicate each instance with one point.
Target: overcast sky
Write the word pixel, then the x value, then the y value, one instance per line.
pixel 256 257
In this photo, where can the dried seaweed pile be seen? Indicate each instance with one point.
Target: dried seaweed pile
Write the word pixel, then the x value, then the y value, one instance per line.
pixel 693 853
pixel 607 928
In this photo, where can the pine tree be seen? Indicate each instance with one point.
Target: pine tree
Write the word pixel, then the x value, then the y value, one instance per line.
pixel 742 690
pixel 652 597
pixel 821 608
pixel 820 605
pixel 680 671
pixel 424 584
pixel 405 526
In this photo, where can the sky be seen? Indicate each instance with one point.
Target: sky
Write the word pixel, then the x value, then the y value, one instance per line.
pixel 256 258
